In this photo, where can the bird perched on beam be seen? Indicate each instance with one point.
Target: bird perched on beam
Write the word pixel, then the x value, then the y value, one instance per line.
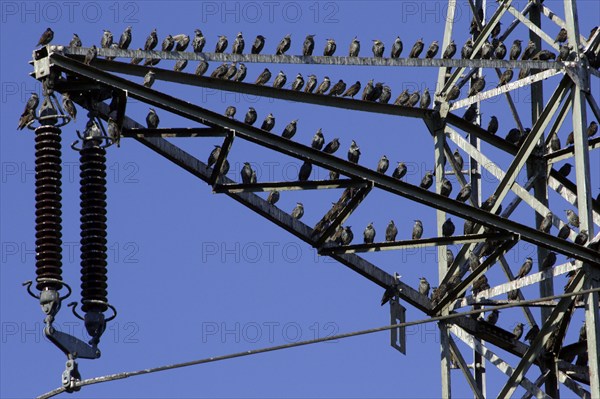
pixel 354 152
pixel 273 197
pixel 290 129
pixel 268 123
pixel 427 180
pixel 298 211
pixel 91 55
pixel 383 165
pixel 448 228
pixel 258 44
pixel 424 286
pixel 324 86
pixel 28 114
pixel 352 90
pixel 338 88
pixel 152 119
pixel 417 231
pixel 525 268
pixel 449 51
pixel 221 45
pixel 298 83
pixel 391 232
pixel 308 46
pixel 46 37
pixel 378 48
pixel 318 140
pixel 369 234
pixel 246 173
pixel 238 44
pixel 417 49
pixel 305 171
pixel 573 218
pixel 125 38
pixel 284 45
pixel 332 146
pixel 391 291
pixel 518 331
pixel 354 48
pixel 546 223
pixel 396 48
pixel 251 116
pixel 400 171
pixel 330 47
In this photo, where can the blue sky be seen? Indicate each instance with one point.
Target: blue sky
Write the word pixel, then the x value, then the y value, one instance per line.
pixel 195 274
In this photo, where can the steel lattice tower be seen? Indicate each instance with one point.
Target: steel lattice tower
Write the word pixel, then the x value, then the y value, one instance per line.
pixel 98 88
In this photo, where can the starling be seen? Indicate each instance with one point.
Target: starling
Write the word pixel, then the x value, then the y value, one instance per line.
pixel 198 42
pixel 493 125
pixel 493 317
pixel 565 169
pixel 152 119
pixel 592 129
pixel 353 152
pixel 554 144
pixel 151 41
pixel 505 77
pixel 305 171
pixel 369 234
pixel 230 111
pixel 417 49
pixel 258 44
pixel 376 93
pixel 500 51
pixel 273 197
pixel 438 293
pixel 308 46
pixel 240 75
pixel 338 88
pixel 496 29
pixel 427 180
pixel 318 140
pixel 513 136
pixel 468 227
pixel 396 48
pixel 107 39
pixel 391 232
pixel 544 55
pixel 354 48
pixel 383 165
pixel 180 65
pixel 238 44
pixel 246 173
pixel 268 123
pixel 347 235
pixel 470 114
pixel 263 77
pixel 400 171
pixel 30 107
pixel 513 295
pixel 546 223
pixel 168 43
pixel 402 98
pixel 564 232
pixel 525 268
pixel 91 55
pixel 290 129
pixel 564 52
pixel 26 118
pixel 489 203
pixel 424 286
pixel 125 38
pixel 68 106
pixel 453 93
pixel 425 99
pixel 480 284
pixel 333 175
pixel 113 46
pixel 284 45
pixel 298 211
pixel 515 50
pixel 332 146
pixel 386 94
pixel 378 48
pixel 446 188
pixel 464 194
pixel 477 85
pixel 250 116
pixel 280 80
pixel 473 261
pixel 220 71
pixel 449 257
pixel 330 47
pixel 46 37
pixel 324 86
pixel 570 139
pixel 467 51
pixel 529 51
pixel 582 238
pixel 487 51
pixel 413 99
pixel 298 83
pixel 221 45
pixel 562 36
pixel 367 91
pixel 253 177
pixel 532 333
pixel 458 159
pixel 213 156
pixel 312 83
pixel 518 331
pixel 549 261
pixel 75 41
pixel 181 42
pixel 448 228
pixel 201 68
pixel 417 231
pixel 449 51
pixel 523 73
pixel 573 218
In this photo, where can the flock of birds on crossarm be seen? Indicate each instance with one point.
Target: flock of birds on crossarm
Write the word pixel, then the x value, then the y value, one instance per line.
pixel 373 92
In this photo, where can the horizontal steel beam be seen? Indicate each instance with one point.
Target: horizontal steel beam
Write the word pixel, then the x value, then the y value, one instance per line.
pixel 285 186
pixel 297 150
pixel 175 132
pixel 313 60
pixel 415 244
pixel 569 152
